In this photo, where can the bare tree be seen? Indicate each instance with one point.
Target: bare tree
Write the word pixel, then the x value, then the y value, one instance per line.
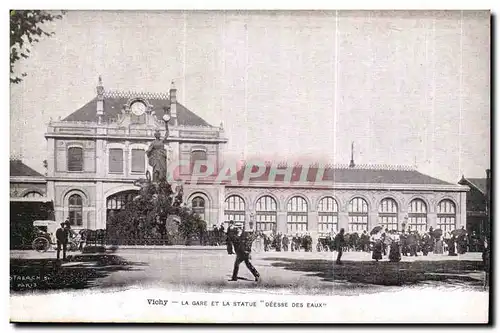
pixel 26 29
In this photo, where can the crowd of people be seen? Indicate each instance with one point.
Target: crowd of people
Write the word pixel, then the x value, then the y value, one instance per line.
pixel 410 242
pixel 216 236
pixel 282 242
pixel 380 241
pixel 265 241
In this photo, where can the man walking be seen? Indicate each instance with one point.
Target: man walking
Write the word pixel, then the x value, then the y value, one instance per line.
pixel 339 245
pixel 230 232
pixel 62 235
pixel 242 242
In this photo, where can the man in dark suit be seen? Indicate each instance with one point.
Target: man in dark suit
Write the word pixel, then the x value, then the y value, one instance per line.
pixel 62 236
pixel 403 238
pixel 365 242
pixel 242 242
pixel 411 240
pixel 339 245
pixel 230 232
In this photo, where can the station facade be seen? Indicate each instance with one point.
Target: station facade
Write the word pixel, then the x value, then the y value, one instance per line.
pixel 96 155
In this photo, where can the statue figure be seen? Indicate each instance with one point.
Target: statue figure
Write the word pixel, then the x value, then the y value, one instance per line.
pixel 178 196
pixel 157 157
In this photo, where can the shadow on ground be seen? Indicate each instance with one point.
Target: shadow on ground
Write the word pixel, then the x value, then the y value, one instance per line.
pixel 384 273
pixel 77 272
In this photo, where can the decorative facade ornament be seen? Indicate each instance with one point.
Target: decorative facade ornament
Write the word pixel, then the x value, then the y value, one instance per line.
pixel 135 94
pixel 14 192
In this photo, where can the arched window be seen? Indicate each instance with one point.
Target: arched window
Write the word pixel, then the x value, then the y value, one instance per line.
pixel 33 194
pixel 296 216
pixel 118 201
pixel 75 209
pixel 75 159
pixel 198 204
pixel 234 210
pixel 446 215
pixel 358 215
pixel 266 211
pixel 388 214
pixel 328 215
pixel 417 215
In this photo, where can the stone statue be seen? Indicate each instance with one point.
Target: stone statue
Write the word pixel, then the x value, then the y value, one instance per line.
pixel 157 157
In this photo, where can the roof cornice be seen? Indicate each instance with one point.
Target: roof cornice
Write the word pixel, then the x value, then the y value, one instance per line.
pixel 39 199
pixel 28 179
pixel 131 138
pixel 350 186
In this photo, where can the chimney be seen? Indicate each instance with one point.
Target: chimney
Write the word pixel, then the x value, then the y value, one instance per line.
pixel 100 100
pixel 351 164
pixel 173 104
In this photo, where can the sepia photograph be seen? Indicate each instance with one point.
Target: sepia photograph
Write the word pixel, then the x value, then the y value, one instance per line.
pixel 250 166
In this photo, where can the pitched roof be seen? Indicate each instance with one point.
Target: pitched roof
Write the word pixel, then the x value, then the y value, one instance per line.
pixel 19 169
pixel 356 175
pixel 248 174
pixel 479 183
pixel 114 101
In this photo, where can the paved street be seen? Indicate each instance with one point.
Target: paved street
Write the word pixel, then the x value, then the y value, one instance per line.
pixel 199 269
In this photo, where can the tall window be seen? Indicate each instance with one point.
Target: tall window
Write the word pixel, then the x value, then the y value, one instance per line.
pixel 33 194
pixel 75 159
pixel 266 212
pixel 417 215
pixel 199 156
pixel 328 215
pixel 75 210
pixel 198 204
pixel 358 215
pixel 296 217
pixel 138 161
pixel 446 215
pixel 116 160
pixel 388 214
pixel 234 210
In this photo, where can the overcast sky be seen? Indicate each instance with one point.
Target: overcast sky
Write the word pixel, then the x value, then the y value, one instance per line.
pixel 408 88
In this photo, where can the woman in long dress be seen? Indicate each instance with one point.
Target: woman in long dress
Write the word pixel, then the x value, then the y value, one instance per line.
pixel 394 252
pixel 438 247
pixel 377 247
pixel 451 246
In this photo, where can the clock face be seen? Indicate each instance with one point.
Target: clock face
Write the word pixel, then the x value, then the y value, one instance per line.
pixel 138 108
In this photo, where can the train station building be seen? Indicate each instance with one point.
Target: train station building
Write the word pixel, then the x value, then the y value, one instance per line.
pixel 96 155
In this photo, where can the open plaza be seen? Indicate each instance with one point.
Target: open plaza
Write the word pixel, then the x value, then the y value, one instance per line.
pixel 209 269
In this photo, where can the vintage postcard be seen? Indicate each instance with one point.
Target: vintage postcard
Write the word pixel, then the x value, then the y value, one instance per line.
pixel 250 166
